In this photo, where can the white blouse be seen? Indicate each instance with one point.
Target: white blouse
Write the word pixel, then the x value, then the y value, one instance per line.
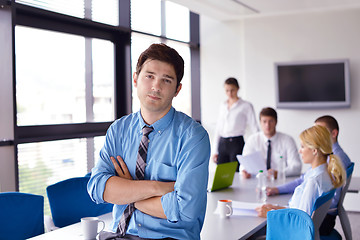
pixel 232 122
pixel 316 182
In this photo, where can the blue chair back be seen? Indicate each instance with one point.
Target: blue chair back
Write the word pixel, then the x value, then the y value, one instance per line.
pixel 320 209
pixel 21 215
pixel 350 170
pixel 289 223
pixel 323 199
pixel 70 201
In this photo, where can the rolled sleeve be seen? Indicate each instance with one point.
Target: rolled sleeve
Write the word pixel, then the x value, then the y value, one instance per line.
pixel 96 187
pixel 188 200
pixel 104 168
pixel 171 210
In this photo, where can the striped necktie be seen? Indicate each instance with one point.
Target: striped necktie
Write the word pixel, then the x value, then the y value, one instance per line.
pixel 139 173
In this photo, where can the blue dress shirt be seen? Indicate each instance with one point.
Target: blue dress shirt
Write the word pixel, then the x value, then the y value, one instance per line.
pixel 316 182
pixel 337 150
pixel 179 150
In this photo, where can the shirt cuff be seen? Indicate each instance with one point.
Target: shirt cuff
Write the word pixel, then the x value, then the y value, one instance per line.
pixel 170 206
pixel 98 188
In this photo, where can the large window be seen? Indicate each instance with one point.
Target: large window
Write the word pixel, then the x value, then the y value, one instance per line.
pixel 73 71
pixel 95 10
pixel 68 86
pixel 52 78
pixel 169 22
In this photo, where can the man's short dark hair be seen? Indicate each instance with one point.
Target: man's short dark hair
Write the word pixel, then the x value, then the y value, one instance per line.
pixel 269 112
pixel 163 53
pixel 232 81
pixel 329 121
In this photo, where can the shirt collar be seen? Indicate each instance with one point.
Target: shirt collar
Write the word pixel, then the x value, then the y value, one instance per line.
pixel 335 147
pixel 316 171
pixel 265 139
pixel 239 101
pixel 161 124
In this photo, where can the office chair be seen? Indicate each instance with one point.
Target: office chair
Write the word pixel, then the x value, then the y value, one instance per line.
pixel 320 209
pixel 289 223
pixel 344 219
pixel 21 215
pixel 70 201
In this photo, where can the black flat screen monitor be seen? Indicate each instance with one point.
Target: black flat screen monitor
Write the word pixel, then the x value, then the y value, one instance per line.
pixel 313 84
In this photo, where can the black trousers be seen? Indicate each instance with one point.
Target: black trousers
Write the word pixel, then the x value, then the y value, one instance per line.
pixel 327 225
pixel 229 148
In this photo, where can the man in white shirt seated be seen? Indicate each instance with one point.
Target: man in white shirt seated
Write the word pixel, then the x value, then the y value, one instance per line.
pixel 274 146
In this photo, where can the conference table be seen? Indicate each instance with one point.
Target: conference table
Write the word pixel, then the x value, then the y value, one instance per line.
pixel 233 227
pixel 237 226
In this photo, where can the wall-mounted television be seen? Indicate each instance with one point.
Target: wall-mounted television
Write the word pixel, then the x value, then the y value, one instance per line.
pixel 313 84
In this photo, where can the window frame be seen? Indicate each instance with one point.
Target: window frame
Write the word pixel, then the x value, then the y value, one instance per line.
pixel 28 16
pixel 120 36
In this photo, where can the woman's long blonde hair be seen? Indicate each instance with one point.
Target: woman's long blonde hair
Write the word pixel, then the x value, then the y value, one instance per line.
pixel 318 137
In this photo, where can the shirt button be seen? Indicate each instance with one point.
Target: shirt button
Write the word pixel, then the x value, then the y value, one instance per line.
pixel 139 225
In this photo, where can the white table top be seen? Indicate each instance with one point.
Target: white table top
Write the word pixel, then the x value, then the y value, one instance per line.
pixel 71 232
pixel 234 227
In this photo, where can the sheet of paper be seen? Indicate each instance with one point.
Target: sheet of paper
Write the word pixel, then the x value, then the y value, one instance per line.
pixel 245 205
pixel 252 162
pixel 243 208
pixel 244 212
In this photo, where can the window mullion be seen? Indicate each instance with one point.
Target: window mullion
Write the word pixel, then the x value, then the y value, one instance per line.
pixel 163 19
pixel 89 99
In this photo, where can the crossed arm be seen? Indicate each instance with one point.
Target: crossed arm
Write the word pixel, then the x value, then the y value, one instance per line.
pixel 146 194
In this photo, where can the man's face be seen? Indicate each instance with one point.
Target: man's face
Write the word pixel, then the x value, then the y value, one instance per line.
pixel 156 86
pixel 268 125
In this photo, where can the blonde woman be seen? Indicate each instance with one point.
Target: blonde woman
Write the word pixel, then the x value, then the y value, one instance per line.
pixel 316 147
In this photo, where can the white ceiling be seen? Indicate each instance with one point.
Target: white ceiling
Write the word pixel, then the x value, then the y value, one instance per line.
pixel 237 9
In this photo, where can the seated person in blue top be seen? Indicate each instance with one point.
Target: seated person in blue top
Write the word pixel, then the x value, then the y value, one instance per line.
pixel 170 201
pixel 332 125
pixel 316 147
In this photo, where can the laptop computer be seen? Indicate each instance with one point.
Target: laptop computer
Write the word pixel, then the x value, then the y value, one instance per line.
pixel 224 176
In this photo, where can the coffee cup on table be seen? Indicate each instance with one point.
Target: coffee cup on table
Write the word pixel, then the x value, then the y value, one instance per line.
pixel 90 227
pixel 225 208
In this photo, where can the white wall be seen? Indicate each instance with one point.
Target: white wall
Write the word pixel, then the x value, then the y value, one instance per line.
pixel 220 58
pixel 265 40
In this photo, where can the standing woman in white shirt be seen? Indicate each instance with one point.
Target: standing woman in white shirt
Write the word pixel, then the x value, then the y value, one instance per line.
pixel 316 147
pixel 234 117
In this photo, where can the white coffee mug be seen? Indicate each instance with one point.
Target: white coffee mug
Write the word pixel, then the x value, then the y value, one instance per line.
pixel 89 226
pixel 225 208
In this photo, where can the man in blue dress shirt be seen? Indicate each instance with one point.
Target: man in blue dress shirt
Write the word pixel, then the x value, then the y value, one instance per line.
pixel 171 200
